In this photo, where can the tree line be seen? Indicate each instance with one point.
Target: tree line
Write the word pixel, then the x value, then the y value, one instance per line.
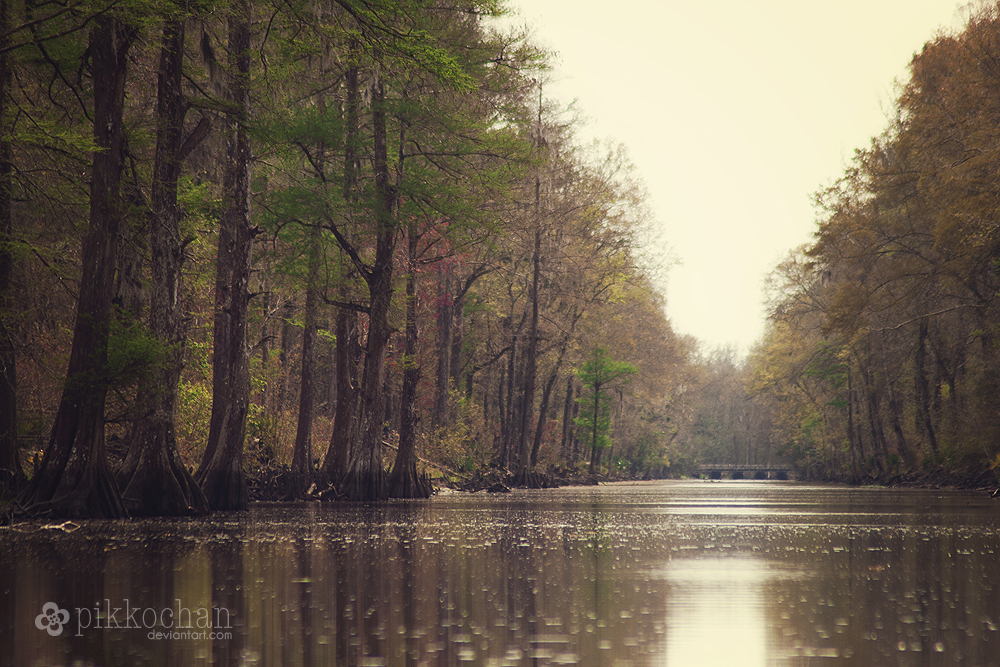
pixel 880 357
pixel 335 246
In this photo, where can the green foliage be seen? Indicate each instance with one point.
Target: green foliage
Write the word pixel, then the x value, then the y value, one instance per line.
pixel 133 353
pixel 596 431
pixel 194 412
pixel 600 375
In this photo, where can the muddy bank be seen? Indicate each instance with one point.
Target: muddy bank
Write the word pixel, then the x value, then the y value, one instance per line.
pixel 274 482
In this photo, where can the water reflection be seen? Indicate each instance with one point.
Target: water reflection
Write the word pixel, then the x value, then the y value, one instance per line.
pixel 684 573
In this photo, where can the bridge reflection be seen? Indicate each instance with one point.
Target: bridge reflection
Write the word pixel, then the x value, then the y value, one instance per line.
pixel 744 471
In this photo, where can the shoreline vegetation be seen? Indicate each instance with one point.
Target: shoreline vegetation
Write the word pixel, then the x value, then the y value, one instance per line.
pixel 341 250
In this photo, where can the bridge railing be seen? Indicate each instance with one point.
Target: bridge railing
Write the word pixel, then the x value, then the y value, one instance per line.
pixel 749 467
pixel 738 470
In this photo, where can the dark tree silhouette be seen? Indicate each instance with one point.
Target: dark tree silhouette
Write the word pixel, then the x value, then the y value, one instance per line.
pixel 221 472
pixel 74 479
pixel 153 478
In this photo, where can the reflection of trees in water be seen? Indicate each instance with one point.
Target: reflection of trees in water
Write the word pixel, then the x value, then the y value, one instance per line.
pixel 112 580
pixel 883 592
pixel 382 584
pixel 8 604
pixel 229 593
pixel 303 563
pixel 412 585
pixel 405 535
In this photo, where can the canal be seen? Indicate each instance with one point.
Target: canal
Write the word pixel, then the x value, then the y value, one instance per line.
pixel 679 573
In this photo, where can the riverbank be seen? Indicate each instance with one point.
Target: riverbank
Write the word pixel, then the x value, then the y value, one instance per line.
pixel 968 480
pixel 271 484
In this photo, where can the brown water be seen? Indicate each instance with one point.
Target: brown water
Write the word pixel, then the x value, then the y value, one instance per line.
pixel 682 574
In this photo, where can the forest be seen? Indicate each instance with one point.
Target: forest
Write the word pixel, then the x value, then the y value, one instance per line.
pixel 349 250
pixel 880 359
pixel 343 249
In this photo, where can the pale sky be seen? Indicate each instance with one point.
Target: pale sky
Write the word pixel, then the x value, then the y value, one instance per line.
pixel 735 112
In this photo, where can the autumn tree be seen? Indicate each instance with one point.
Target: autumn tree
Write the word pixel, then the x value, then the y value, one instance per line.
pixel 899 288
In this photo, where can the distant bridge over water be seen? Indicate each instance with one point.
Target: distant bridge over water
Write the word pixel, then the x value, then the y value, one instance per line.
pixel 744 470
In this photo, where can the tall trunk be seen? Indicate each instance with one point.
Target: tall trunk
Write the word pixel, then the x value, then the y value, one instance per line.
pixel 510 435
pixel 302 467
pixel 154 480
pixel 923 392
pixel 523 475
pixel 339 450
pixel 574 438
pixel 853 442
pixel 266 396
pixel 74 479
pixel 285 356
pixel 895 415
pixel 874 416
pixel 365 479
pixel 221 472
pixel 457 340
pixel 445 312
pixel 566 447
pixel 500 438
pixel 338 453
pixel 11 474
pixel 595 452
pixel 331 385
pixel 404 482
pixel 542 409
pixel 611 449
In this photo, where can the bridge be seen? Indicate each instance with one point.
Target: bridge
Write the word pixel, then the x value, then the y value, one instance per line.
pixel 745 470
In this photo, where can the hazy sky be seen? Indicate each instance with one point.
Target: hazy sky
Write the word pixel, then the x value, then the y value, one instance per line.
pixel 735 112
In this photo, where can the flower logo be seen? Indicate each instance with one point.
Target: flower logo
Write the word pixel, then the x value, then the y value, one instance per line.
pixel 52 619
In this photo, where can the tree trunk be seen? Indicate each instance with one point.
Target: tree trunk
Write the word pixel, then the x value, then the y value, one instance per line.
pixel 445 319
pixel 566 447
pixel 457 340
pixel 74 479
pixel 287 343
pixel 365 478
pixel 542 409
pixel 331 369
pixel 339 450
pixel 510 435
pixel 11 475
pixel 266 396
pixel 874 417
pixel 404 482
pixel 595 452
pixel 895 415
pixel 153 480
pixel 574 438
pixel 302 465
pixel 923 392
pixel 221 472
pixel 852 440
pixel 524 476
pixel 500 437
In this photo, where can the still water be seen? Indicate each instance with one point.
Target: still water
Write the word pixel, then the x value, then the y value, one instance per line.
pixel 685 573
